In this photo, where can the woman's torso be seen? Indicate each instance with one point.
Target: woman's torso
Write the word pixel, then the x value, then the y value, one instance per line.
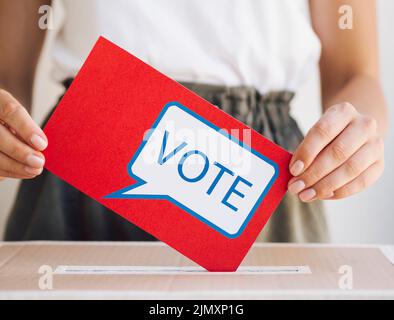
pixel 267 44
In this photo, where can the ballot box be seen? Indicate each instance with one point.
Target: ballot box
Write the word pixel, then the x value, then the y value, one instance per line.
pixel 153 270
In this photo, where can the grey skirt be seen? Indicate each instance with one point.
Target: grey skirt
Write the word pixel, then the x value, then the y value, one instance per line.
pixel 47 208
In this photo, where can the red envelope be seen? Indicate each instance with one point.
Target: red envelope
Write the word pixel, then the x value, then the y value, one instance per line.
pixel 96 136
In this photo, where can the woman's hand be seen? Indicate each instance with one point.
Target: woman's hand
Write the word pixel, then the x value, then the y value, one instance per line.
pixel 21 141
pixel 341 155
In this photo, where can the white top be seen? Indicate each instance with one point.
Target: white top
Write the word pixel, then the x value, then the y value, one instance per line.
pixel 268 44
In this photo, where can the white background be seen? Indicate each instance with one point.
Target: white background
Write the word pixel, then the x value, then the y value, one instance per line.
pixel 365 218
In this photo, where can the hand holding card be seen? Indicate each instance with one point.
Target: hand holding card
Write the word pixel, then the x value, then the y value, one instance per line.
pixel 165 159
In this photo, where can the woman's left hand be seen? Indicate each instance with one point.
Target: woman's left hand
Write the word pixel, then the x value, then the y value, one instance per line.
pixel 341 155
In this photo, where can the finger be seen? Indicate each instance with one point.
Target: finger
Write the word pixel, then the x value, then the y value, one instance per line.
pixel 19 151
pixel 16 117
pixel 330 125
pixel 11 166
pixel 364 180
pixel 337 152
pixel 347 172
pixel 5 175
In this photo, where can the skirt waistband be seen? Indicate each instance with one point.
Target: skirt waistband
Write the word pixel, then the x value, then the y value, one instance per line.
pixel 268 114
pixel 239 92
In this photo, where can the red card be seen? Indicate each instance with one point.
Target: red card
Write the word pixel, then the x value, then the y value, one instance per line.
pixel 165 159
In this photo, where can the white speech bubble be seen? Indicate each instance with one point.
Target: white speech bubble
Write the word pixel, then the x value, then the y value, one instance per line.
pixel 194 164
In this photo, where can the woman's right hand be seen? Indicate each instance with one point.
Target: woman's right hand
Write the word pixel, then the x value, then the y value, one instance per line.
pixel 21 141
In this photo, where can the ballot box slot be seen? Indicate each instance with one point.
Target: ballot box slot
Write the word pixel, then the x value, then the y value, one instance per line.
pixel 177 270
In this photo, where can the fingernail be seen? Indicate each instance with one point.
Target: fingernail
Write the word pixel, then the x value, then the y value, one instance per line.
pixel 296 187
pixel 297 168
pixel 34 161
pixel 39 142
pixel 307 195
pixel 33 171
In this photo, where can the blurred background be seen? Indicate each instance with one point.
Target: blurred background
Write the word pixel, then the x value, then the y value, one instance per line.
pixel 364 218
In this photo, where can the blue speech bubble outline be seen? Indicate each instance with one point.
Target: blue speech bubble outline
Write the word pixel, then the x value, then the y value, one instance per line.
pixel 139 182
